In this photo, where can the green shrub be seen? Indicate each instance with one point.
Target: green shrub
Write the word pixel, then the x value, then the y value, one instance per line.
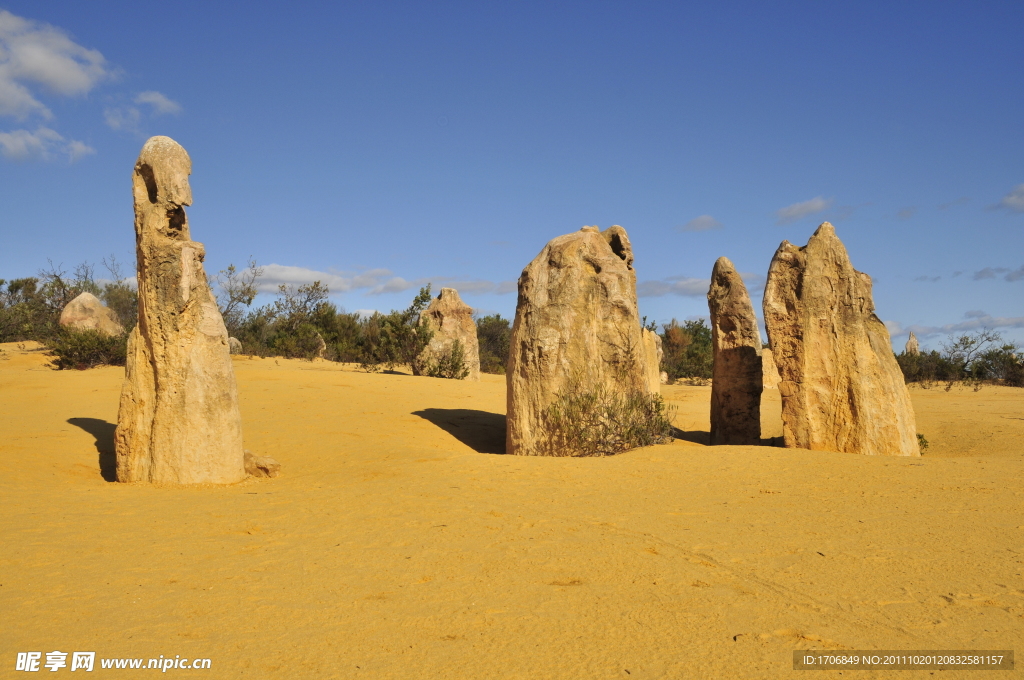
pixel 922 443
pixel 602 422
pixel 82 349
pixel 687 350
pixel 493 334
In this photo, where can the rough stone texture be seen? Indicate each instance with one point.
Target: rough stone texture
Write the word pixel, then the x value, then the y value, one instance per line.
pixel 261 466
pixel 576 321
pixel 178 421
pixel 234 346
pixel 769 371
pixel 912 348
pixel 86 312
pixel 737 382
pixel 664 377
pixel 451 319
pixel 652 360
pixel 841 388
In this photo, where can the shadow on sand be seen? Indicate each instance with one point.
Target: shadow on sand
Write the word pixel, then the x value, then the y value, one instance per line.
pixel 104 434
pixel 703 437
pixel 479 430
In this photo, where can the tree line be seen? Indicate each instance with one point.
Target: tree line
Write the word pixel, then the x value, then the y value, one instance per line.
pixel 301 322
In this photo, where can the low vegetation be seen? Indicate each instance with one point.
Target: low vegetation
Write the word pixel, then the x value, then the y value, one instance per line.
pixel 601 422
pixel 970 359
pixel 687 350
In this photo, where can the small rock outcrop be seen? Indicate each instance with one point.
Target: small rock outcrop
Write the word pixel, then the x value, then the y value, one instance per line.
pixel 737 382
pixel 652 360
pixel 769 370
pixel 841 387
pixel 86 312
pixel 664 378
pixel 451 319
pixel 321 346
pixel 234 346
pixel 261 466
pixel 912 349
pixel 178 420
pixel 576 325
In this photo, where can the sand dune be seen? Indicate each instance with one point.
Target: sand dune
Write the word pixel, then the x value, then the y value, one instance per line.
pixel 398 543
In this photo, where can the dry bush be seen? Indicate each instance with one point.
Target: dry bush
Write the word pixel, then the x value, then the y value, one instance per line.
pixel 601 422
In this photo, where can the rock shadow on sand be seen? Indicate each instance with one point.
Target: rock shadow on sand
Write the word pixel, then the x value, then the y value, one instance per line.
pixel 103 432
pixel 479 430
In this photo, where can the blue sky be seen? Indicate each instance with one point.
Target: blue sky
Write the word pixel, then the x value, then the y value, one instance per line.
pixel 378 146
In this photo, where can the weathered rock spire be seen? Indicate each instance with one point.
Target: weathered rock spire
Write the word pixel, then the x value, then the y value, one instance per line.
pixel 736 343
pixel 841 388
pixel 178 420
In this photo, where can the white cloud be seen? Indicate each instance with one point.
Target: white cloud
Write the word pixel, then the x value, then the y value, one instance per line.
pixel 1013 201
pixel 159 102
pixel 701 223
pixel 43 144
pixel 792 213
pixel 374 281
pixel 36 53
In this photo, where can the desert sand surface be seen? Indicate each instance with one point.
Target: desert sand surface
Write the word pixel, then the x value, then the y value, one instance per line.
pixel 399 543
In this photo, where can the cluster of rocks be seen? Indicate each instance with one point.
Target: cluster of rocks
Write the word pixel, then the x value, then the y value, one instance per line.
pixel 841 387
pixel 577 326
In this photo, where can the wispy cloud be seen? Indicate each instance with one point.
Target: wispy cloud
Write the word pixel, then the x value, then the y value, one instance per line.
pixel 1013 201
pixel 797 211
pixel 688 286
pixel 929 279
pixel 128 118
pixel 974 320
pixel 906 213
pixel 158 101
pixel 997 272
pixel 373 281
pixel 41 144
pixel 701 223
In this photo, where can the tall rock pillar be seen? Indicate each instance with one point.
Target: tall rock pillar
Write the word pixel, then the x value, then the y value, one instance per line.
pixel 577 325
pixel 736 343
pixel 178 420
pixel 841 387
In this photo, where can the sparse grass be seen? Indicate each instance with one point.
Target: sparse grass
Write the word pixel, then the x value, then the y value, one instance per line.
pixel 601 422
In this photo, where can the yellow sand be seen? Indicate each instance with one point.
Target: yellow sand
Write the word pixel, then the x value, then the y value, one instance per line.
pixel 397 544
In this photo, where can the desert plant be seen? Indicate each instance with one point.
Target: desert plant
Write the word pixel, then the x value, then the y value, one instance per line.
pixel 451 363
pixel 493 334
pixel 602 422
pixel 922 443
pixel 687 350
pixel 399 338
pixel 238 289
pixel 81 349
